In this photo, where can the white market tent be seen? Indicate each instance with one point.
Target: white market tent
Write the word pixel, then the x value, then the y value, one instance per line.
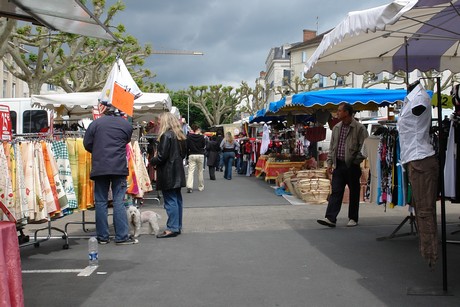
pixel 175 111
pixel 70 16
pixel 80 105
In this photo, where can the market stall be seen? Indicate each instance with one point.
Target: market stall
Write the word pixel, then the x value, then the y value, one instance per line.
pixel 306 115
pixel 80 105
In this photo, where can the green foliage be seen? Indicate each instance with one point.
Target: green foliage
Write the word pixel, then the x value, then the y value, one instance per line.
pixel 180 100
pixel 74 62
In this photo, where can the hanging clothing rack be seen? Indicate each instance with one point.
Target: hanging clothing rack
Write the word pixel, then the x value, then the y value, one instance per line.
pixel 20 224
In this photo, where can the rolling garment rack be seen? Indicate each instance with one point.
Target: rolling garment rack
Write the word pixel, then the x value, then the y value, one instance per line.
pixel 409 218
pixel 83 222
pixel 24 240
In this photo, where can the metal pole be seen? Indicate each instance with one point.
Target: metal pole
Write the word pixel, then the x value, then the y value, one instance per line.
pixel 443 202
pixel 406 47
pixel 188 110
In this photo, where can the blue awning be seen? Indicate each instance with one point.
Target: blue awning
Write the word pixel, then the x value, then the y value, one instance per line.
pixel 360 98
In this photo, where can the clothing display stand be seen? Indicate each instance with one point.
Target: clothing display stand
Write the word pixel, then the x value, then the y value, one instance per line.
pixel 444 290
pixel 413 229
pixel 36 242
pixel 82 223
pixel 410 218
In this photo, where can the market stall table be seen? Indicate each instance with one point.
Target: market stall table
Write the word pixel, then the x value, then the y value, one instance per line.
pixel 272 169
pixel 11 293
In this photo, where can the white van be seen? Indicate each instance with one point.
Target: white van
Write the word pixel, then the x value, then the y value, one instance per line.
pixel 24 117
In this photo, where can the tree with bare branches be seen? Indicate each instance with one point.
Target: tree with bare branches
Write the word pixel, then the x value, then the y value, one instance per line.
pixel 217 102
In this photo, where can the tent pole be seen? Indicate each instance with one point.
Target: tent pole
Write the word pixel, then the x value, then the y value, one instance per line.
pixel 406 47
pixel 443 202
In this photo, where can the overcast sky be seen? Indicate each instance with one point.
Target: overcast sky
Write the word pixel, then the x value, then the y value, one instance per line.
pixel 234 35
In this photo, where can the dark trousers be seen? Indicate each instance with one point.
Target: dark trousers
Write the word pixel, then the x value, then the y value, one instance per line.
pixel 342 176
pixel 212 172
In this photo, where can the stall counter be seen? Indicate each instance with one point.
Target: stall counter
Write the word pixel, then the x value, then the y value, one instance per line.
pixel 272 169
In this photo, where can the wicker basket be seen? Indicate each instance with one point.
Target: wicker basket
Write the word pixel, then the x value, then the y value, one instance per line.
pixel 313 173
pixel 314 191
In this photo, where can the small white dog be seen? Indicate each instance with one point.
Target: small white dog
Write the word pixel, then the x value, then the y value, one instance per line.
pixel 136 218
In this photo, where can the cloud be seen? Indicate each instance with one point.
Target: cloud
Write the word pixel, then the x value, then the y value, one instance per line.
pixel 235 36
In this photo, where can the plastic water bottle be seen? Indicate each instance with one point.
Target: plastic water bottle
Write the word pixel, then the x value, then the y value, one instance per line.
pixel 92 251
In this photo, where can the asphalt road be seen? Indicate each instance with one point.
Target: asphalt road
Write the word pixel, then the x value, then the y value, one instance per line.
pixel 244 246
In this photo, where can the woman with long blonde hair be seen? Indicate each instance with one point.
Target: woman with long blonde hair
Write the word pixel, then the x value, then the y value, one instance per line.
pixel 168 161
pixel 229 147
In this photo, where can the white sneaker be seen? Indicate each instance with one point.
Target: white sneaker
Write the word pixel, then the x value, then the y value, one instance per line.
pixel 326 222
pixel 352 223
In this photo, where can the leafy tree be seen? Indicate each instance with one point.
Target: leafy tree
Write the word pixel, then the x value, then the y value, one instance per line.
pixel 74 62
pixel 217 102
pixel 180 101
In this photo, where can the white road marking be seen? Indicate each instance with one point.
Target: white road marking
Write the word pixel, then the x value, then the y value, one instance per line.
pixel 81 272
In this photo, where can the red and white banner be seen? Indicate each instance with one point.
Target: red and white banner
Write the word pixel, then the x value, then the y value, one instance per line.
pixel 5 132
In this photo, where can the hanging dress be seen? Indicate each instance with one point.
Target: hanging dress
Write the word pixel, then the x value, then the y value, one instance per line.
pixel 65 173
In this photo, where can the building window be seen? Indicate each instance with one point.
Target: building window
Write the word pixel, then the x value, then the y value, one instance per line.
pixel 4 88
pixel 304 56
pixel 322 81
pixel 51 87
pixel 286 77
pixel 13 90
pixel 340 81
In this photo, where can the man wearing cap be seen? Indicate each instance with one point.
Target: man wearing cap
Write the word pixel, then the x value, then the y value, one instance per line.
pixel 106 139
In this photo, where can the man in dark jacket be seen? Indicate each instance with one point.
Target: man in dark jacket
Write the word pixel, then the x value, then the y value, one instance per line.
pixel 196 145
pixel 106 139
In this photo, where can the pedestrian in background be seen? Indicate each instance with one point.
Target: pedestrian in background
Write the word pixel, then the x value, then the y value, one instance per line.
pixel 106 139
pixel 344 163
pixel 213 158
pixel 171 151
pixel 219 139
pixel 196 145
pixel 229 147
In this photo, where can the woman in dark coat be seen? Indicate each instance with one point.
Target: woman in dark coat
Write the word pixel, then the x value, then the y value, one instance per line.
pixel 213 157
pixel 168 161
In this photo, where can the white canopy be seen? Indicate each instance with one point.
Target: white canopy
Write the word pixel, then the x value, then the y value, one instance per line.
pixel 66 16
pixel 374 40
pixel 80 105
pixel 175 111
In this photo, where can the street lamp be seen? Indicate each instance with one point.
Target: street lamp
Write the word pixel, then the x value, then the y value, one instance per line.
pixel 188 110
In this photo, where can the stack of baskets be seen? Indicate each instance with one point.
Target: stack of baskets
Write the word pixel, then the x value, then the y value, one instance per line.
pixel 313 190
pixel 312 186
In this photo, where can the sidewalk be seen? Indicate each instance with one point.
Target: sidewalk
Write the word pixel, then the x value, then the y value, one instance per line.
pixel 244 246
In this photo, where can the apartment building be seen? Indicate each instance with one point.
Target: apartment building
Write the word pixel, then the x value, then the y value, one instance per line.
pixel 277 66
pixel 11 87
